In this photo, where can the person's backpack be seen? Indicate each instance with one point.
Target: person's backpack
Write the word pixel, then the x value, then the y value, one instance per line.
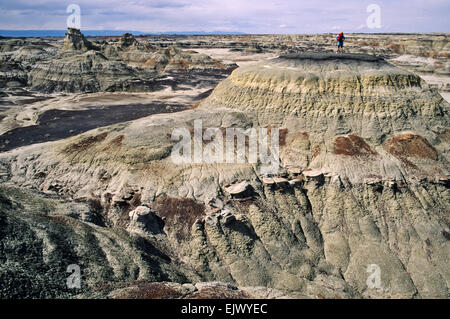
pixel 340 37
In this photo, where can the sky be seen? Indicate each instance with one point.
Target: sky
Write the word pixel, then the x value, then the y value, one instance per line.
pixel 249 16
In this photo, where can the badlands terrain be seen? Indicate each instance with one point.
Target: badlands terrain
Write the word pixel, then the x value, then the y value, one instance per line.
pixel 87 178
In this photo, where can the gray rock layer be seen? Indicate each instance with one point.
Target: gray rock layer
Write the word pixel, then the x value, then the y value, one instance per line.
pixel 364 181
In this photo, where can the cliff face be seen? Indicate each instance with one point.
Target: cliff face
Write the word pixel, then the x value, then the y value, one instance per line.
pixel 364 181
pixel 333 94
pixel 341 108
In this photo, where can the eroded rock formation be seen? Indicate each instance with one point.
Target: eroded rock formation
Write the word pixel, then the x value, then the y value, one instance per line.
pixel 127 65
pixel 363 181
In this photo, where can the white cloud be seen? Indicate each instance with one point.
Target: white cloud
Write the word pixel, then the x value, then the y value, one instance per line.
pixel 257 16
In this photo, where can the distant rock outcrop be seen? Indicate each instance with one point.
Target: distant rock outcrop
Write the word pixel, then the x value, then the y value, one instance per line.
pixel 75 41
pixel 127 40
pixel 89 71
pixel 126 65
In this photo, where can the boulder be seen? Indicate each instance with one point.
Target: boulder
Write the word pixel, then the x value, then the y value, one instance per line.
pixel 238 189
pixel 139 214
pixel 314 176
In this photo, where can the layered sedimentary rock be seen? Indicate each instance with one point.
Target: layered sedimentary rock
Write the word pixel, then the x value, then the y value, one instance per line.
pixel 87 72
pixel 16 57
pixel 135 53
pixel 79 66
pixel 327 86
pixel 41 239
pixel 127 65
pixel 334 104
pixel 426 54
pixel 12 75
pixel 75 41
pixel 363 184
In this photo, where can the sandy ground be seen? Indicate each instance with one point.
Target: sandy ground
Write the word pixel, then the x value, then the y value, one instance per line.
pixel 240 58
pixel 446 96
pixel 438 81
pixel 413 60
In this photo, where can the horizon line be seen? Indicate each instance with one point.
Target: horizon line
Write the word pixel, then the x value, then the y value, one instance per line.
pixel 190 32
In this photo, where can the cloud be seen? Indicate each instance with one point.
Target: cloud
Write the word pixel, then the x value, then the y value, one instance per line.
pixel 252 16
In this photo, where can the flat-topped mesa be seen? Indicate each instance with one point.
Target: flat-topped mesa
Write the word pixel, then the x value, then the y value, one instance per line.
pixel 331 56
pixel 334 94
pixel 75 41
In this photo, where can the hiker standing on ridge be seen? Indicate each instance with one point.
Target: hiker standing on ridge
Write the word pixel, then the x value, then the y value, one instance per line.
pixel 340 42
